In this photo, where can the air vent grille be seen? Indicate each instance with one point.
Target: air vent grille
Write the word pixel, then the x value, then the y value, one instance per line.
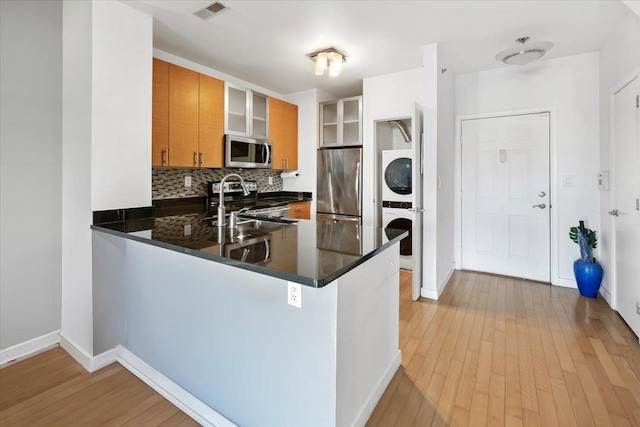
pixel 209 10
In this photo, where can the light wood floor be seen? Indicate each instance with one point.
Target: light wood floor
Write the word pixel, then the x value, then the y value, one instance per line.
pixel 500 351
pixel 51 389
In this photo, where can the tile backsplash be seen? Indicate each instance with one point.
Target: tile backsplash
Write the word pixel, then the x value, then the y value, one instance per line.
pixel 168 183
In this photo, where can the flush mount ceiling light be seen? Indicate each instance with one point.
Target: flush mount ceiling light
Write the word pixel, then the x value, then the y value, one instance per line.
pixel 524 52
pixel 328 58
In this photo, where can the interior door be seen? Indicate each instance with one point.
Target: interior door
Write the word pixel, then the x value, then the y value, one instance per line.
pixel 506 222
pixel 417 174
pixel 626 189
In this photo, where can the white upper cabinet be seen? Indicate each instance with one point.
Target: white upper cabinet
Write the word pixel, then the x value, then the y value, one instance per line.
pixel 246 112
pixel 341 122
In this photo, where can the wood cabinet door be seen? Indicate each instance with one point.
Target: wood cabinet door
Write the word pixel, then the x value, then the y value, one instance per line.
pixel 211 122
pixel 183 116
pixel 291 136
pixel 300 210
pixel 277 132
pixel 160 114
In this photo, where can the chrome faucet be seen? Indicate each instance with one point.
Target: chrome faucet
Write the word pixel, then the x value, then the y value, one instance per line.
pixel 221 210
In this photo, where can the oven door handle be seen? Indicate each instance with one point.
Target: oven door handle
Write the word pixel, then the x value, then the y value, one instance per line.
pixel 268 249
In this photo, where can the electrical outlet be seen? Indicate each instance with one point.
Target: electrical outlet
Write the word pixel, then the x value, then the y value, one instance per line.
pixel 187 229
pixel 270 180
pixel 187 181
pixel 294 294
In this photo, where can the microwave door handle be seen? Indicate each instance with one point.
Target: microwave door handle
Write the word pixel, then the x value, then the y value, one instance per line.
pixel 266 159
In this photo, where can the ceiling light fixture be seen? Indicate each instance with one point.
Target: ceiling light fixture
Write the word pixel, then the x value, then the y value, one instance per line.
pixel 328 58
pixel 524 53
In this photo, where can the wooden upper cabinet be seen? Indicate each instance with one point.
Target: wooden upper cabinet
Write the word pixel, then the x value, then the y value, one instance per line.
pixel 283 133
pixel 160 114
pixel 291 135
pixel 211 122
pixel 184 97
pixel 276 132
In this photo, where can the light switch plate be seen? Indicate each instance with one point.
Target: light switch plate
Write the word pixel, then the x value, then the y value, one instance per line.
pixel 294 294
pixel 567 181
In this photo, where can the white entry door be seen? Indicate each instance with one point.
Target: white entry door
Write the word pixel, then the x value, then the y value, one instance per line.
pixel 626 213
pixel 506 224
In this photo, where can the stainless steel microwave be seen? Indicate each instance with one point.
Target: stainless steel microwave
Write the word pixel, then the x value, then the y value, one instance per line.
pixel 243 152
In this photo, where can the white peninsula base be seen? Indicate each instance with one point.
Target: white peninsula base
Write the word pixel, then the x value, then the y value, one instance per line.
pixel 228 337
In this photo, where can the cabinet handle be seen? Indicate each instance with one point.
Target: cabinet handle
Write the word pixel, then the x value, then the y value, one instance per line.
pixel 195 158
pixel 163 160
pixel 202 158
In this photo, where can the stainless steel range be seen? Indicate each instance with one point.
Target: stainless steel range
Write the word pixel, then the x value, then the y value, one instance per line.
pixel 234 200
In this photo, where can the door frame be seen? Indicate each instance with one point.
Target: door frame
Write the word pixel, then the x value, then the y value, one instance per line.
pixel 613 294
pixel 553 184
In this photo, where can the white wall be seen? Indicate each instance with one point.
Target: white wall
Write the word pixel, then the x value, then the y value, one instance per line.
pixel 445 179
pixel 121 107
pixel 76 175
pixel 570 86
pixel 30 169
pixel 619 56
pixel 106 138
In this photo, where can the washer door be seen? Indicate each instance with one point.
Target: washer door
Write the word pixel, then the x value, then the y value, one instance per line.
pixel 397 175
pixel 402 224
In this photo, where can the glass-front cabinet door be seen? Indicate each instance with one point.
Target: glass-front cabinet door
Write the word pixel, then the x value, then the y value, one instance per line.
pixel 259 115
pixel 236 107
pixel 352 121
pixel 329 113
pixel 246 112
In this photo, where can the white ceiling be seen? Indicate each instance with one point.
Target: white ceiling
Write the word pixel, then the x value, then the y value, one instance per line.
pixel 267 42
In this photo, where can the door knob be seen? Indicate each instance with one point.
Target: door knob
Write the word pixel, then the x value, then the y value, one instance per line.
pixel 541 206
pixel 614 212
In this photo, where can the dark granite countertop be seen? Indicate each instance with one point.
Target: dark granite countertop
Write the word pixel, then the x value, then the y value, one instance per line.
pixel 312 253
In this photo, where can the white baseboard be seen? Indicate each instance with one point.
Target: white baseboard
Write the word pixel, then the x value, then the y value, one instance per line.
pixel 78 353
pixel 565 283
pixel 184 400
pixel 607 296
pixel 435 294
pixel 429 293
pixel 367 409
pixel 29 348
pixel 104 359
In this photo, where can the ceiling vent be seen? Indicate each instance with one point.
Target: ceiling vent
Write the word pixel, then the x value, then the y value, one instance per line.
pixel 209 10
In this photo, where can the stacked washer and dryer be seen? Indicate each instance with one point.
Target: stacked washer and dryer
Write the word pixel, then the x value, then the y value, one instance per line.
pixel 397 198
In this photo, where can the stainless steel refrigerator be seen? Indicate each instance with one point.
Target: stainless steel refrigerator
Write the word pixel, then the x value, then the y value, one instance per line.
pixel 340 185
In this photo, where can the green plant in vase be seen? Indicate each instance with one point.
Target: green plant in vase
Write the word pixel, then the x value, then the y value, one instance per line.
pixel 587 271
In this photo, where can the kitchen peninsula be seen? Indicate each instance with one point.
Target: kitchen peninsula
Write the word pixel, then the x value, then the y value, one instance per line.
pixel 210 312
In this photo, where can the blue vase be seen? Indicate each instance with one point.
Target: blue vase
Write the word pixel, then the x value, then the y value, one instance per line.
pixel 589 277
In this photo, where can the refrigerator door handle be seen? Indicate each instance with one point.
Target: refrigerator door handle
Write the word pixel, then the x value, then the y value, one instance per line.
pixel 421 154
pixel 358 187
